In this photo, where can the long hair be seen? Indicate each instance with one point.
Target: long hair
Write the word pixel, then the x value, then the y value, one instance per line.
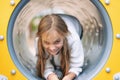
pixel 52 21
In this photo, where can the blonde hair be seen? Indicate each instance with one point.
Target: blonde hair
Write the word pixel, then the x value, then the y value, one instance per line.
pixel 52 21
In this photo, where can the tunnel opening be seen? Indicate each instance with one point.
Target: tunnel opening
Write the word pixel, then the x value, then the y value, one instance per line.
pixel 96 33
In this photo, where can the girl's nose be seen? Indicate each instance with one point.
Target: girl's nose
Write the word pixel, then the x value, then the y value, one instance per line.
pixel 52 48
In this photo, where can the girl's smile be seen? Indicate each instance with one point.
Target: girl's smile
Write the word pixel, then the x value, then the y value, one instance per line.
pixel 52 42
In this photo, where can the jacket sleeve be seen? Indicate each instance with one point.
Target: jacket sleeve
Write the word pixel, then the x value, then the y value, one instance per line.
pixel 48 68
pixel 76 57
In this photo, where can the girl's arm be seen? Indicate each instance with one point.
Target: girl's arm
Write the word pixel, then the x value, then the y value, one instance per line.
pixel 76 59
pixel 49 69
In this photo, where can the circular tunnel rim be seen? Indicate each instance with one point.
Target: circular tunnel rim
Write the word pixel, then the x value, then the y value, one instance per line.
pixel 24 71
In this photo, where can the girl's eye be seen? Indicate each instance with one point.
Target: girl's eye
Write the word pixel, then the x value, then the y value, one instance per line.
pixel 46 42
pixel 58 41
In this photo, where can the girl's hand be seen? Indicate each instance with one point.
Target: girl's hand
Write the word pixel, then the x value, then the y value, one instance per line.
pixel 66 78
pixel 52 76
pixel 70 76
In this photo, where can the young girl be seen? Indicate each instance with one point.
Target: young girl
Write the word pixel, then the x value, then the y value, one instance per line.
pixel 59 48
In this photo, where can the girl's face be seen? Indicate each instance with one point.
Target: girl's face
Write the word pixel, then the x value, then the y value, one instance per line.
pixel 52 42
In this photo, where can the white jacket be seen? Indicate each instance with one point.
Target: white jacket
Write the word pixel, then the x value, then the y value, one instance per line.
pixel 76 55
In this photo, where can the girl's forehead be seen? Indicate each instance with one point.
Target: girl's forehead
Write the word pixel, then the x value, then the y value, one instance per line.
pixel 51 35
